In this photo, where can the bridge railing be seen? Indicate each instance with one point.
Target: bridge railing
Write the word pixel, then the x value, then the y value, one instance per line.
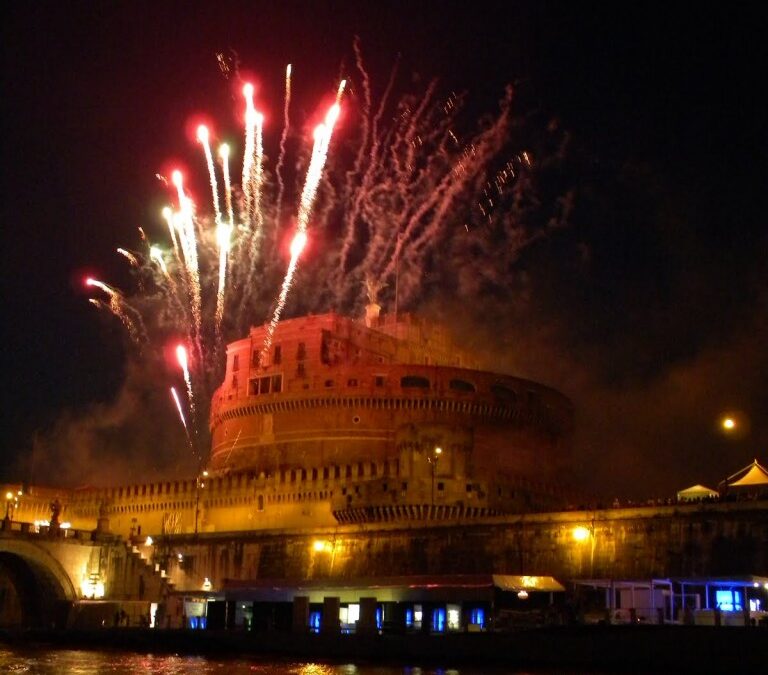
pixel 32 530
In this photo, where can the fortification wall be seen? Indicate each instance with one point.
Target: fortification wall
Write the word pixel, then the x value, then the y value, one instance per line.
pixel 718 539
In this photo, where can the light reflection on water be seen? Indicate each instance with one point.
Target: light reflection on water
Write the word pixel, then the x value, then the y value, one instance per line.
pixel 87 662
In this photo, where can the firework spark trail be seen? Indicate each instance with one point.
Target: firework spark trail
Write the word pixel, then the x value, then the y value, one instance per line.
pixel 179 408
pixel 188 242
pixel 131 258
pixel 157 255
pixel 223 236
pixel 203 136
pixel 258 175
pixel 224 155
pixel 486 146
pixel 118 308
pixel 297 246
pixel 181 357
pixel 168 217
pixel 223 240
pixel 323 134
pixel 250 126
pixel 386 174
pixel 281 156
pixel 354 198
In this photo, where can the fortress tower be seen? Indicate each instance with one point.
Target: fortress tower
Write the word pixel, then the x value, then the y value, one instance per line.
pixel 394 415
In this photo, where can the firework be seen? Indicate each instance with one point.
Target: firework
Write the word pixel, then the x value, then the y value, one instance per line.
pixel 118 308
pixel 283 138
pixel 202 136
pixel 188 240
pixel 181 357
pixel 127 254
pixel 177 401
pixel 417 195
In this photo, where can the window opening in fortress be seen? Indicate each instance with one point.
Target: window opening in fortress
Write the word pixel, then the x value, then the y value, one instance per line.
pixel 329 383
pixel 461 385
pixel 301 351
pixel 503 393
pixel 278 355
pixel 255 359
pixel 352 382
pixel 234 382
pixel 236 362
pixel 378 380
pixel 414 381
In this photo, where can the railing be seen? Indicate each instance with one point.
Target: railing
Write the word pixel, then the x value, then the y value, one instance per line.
pixel 30 530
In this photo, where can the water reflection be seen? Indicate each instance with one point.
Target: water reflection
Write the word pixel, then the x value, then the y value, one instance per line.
pixel 86 662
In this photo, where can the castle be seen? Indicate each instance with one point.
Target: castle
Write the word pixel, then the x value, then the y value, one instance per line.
pixel 344 421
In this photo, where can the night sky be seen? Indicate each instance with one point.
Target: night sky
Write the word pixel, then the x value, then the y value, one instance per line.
pixel 649 309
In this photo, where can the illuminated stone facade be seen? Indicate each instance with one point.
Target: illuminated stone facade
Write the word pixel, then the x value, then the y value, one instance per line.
pixel 386 420
pixel 347 421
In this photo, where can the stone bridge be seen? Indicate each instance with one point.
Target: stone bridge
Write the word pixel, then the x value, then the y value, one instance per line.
pixel 49 576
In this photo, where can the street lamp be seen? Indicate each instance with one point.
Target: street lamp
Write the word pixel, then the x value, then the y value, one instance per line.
pixel 583 534
pixel 433 463
pixel 199 484
pixel 8 500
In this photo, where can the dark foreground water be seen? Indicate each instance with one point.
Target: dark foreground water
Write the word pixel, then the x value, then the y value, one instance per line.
pixel 87 662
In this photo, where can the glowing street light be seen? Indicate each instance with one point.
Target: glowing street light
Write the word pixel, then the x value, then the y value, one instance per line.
pixel 8 500
pixel 433 462
pixel 728 423
pixel 582 534
pixel 199 484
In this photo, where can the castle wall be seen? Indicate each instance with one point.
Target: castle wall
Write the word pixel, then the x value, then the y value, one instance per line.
pixel 658 542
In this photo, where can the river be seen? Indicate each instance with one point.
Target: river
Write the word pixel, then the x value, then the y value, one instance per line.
pixel 94 662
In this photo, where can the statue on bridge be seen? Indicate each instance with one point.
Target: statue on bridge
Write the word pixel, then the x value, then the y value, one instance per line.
pixel 55 524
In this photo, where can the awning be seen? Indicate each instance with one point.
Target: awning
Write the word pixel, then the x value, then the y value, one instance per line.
pixel 507 582
pixel 696 492
pixel 756 475
pixel 414 588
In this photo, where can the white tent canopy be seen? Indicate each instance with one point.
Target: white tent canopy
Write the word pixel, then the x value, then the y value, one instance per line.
pixel 751 475
pixel 694 492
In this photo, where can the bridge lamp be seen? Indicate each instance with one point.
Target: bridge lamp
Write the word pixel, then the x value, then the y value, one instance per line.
pixel 581 533
pixel 8 499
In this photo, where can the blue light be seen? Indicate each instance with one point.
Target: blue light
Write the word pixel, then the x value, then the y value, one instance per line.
pixel 314 622
pixel 477 616
pixel 728 601
pixel 438 620
pixel 379 617
pixel 409 617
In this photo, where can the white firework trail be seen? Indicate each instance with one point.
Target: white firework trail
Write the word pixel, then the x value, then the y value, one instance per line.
pixel 127 254
pixel 323 134
pixel 281 156
pixel 248 151
pixel 188 240
pixel 223 238
pixel 168 216
pixel 203 136
pixel 181 357
pixel 117 307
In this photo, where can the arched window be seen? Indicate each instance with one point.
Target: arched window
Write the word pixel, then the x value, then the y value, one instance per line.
pixel 416 381
pixel 504 393
pixel 462 385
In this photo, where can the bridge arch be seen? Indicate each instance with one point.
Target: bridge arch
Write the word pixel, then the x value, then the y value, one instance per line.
pixel 35 590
